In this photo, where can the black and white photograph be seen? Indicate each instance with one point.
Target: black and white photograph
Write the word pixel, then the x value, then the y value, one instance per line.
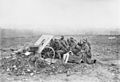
pixel 59 40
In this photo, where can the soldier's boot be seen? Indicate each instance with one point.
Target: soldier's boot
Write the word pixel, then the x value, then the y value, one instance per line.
pixel 89 61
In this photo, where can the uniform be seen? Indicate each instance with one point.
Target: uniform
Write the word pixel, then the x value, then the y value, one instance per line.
pixel 86 53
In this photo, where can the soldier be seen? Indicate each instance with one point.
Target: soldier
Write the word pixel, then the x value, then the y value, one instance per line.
pixel 73 45
pixel 87 47
pixel 62 47
pixel 63 43
pixel 86 51
pixel 77 49
pixel 72 42
pixel 58 47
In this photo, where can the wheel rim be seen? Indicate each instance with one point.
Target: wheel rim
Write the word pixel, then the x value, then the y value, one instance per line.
pixel 48 52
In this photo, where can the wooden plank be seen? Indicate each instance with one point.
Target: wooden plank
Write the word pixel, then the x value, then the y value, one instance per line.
pixel 43 41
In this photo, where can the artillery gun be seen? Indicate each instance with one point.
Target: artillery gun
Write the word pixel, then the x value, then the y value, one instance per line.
pixel 42 53
pixel 32 57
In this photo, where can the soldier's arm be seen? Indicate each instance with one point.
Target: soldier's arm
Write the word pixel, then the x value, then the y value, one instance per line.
pixel 89 45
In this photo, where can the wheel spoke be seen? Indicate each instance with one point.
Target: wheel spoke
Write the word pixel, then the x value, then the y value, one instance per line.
pixel 47 53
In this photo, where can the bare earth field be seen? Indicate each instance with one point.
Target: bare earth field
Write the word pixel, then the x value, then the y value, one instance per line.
pixel 106 51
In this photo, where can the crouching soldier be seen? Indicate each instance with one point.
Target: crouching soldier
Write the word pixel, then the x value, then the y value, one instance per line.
pixel 86 52
pixel 63 47
pixel 60 47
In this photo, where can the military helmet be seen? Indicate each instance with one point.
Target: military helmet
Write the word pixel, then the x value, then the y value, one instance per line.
pixel 62 37
pixel 84 40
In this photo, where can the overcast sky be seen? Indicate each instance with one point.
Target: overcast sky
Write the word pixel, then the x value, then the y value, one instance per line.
pixel 61 16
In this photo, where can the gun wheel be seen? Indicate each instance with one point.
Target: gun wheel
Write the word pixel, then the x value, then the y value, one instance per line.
pixel 48 52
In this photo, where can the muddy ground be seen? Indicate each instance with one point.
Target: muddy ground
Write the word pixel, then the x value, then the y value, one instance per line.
pixel 105 50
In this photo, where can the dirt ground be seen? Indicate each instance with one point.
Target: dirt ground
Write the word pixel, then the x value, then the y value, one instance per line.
pixel 105 50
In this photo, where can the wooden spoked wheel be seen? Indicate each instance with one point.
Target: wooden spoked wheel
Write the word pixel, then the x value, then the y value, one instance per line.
pixel 48 52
